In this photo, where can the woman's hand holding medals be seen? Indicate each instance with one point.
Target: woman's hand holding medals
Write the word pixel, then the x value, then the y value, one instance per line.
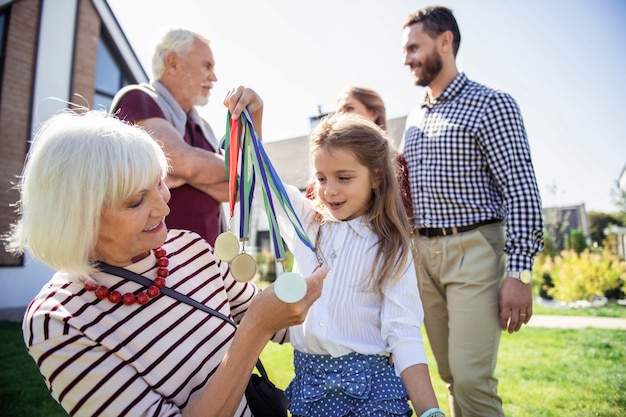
pixel 283 315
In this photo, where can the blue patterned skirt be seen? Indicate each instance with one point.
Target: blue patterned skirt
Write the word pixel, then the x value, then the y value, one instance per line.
pixel 350 385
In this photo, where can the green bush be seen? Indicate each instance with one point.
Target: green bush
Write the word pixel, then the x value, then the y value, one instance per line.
pixel 546 286
pixel 577 241
pixel 266 265
pixel 580 277
pixel 549 245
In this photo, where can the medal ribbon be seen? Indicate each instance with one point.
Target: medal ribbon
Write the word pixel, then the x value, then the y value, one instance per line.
pixel 247 182
pixel 275 184
pixel 231 161
pixel 250 152
pixel 236 165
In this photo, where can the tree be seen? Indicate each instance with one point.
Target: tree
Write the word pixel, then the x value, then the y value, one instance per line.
pixel 549 247
pixel 598 222
pixel 577 241
pixel 618 195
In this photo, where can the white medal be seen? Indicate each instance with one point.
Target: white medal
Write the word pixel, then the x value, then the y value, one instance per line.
pixel 290 287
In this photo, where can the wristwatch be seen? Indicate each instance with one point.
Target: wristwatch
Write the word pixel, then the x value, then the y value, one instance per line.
pixel 524 276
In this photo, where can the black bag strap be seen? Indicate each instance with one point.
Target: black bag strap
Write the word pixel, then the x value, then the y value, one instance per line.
pixel 140 279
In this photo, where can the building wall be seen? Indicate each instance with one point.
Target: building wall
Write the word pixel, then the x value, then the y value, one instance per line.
pixel 560 222
pixel 50 61
pixel 36 85
pixel 85 55
pixel 15 108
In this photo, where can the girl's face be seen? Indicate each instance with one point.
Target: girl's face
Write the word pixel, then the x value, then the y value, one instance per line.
pixel 344 185
pixel 130 229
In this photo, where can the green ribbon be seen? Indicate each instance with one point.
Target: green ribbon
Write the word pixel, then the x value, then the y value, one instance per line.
pixel 252 160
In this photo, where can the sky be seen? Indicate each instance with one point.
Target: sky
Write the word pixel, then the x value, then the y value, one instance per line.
pixel 560 59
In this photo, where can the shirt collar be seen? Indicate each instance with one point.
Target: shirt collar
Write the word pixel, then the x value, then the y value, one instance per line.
pixel 360 225
pixel 451 91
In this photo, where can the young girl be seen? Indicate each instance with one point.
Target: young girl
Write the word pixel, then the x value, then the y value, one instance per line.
pixel 370 306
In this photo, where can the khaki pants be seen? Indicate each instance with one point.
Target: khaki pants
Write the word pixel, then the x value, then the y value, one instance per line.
pixel 459 283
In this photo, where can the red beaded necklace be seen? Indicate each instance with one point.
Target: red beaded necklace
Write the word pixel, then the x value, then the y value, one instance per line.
pixel 143 297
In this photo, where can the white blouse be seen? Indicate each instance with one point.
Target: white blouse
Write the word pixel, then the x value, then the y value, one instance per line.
pixel 348 317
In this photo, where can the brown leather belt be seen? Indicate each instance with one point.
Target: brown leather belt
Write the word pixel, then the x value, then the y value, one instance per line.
pixel 449 231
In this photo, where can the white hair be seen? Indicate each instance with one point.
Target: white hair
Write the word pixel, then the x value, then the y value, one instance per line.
pixel 77 165
pixel 179 41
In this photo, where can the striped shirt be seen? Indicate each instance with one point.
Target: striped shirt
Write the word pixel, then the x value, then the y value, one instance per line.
pixel 469 161
pixel 105 359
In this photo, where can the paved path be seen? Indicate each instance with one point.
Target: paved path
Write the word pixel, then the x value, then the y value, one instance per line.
pixel 577 322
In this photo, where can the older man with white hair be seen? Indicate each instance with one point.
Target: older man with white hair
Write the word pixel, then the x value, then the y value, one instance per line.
pixel 183 74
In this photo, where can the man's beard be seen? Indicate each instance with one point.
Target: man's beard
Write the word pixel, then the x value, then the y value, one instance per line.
pixel 430 69
pixel 201 100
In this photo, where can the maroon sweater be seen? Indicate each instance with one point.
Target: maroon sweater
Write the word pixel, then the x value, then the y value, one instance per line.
pixel 191 209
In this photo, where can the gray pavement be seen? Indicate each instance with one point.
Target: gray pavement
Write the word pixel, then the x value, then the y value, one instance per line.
pixel 577 322
pixel 12 314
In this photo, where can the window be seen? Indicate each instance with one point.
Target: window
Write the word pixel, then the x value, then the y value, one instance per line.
pixel 110 75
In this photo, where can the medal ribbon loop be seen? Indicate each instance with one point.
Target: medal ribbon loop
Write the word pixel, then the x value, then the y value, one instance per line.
pixel 251 160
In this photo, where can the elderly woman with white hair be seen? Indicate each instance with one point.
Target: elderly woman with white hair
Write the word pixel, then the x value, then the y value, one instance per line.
pixel 93 195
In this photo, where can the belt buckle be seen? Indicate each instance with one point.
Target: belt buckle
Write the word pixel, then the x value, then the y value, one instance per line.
pixel 451 231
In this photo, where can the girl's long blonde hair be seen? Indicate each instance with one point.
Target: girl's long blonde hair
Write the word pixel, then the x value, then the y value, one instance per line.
pixel 371 147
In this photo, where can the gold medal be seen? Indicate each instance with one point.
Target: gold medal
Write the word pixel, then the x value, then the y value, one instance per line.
pixel 243 267
pixel 290 287
pixel 226 246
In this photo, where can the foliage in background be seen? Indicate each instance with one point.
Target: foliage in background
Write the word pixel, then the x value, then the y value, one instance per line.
pixel 556 224
pixel 576 241
pixel 618 195
pixel 598 222
pixel 571 277
pixel 266 265
pixel 549 246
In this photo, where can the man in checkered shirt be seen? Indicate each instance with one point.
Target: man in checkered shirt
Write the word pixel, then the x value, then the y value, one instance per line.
pixel 477 212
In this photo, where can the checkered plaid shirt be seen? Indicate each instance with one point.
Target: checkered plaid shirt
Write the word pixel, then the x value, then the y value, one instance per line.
pixel 469 161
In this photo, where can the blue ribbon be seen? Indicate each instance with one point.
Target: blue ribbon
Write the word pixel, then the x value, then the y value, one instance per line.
pixel 245 151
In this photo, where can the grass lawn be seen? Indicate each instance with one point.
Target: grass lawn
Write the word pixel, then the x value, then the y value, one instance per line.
pixel 22 390
pixel 542 372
